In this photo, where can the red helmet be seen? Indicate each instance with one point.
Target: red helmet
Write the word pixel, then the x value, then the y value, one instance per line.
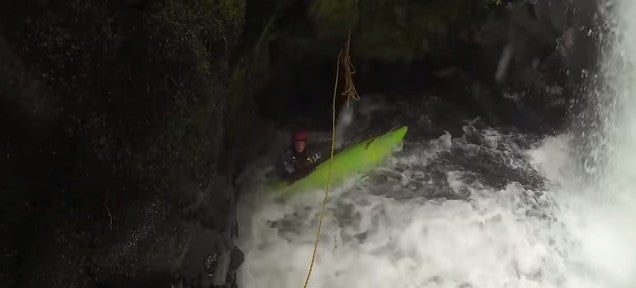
pixel 300 135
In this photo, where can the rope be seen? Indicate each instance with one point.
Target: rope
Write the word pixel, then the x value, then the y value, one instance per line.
pixel 350 89
pixel 324 200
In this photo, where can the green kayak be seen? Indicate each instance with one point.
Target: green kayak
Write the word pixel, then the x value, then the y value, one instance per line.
pixel 358 158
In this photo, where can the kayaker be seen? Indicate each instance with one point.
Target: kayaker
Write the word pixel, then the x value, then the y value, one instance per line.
pixel 298 160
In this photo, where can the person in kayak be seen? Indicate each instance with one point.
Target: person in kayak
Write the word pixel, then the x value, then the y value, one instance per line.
pixel 299 160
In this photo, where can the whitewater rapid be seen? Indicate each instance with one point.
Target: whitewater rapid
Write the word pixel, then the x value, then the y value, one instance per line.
pixel 405 226
pixel 486 208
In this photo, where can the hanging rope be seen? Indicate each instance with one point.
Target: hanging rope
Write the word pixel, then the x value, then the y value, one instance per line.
pixel 350 89
pixel 324 200
pixel 352 94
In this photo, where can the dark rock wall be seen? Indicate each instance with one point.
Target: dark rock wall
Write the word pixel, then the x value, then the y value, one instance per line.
pixel 514 63
pixel 542 53
pixel 117 117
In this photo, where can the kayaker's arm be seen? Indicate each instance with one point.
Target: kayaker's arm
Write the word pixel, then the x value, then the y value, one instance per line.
pixel 287 163
pixel 316 157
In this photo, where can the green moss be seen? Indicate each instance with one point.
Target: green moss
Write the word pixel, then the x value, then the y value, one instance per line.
pixel 335 16
pixel 397 30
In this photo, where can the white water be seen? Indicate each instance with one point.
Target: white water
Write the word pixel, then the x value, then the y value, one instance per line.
pixel 394 229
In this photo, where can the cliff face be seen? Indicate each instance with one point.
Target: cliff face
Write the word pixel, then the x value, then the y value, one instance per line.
pixel 515 63
pixel 119 117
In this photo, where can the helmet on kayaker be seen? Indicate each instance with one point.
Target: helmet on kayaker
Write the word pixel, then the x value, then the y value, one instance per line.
pixel 299 138
pixel 300 135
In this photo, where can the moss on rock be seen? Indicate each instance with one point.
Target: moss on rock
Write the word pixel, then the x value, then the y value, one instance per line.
pixel 401 30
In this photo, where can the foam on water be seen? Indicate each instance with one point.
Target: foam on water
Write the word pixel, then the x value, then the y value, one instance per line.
pixel 516 236
pixel 493 238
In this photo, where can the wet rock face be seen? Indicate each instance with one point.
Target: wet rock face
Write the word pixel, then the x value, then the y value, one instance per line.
pixel 116 116
pixel 544 52
pixel 516 63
